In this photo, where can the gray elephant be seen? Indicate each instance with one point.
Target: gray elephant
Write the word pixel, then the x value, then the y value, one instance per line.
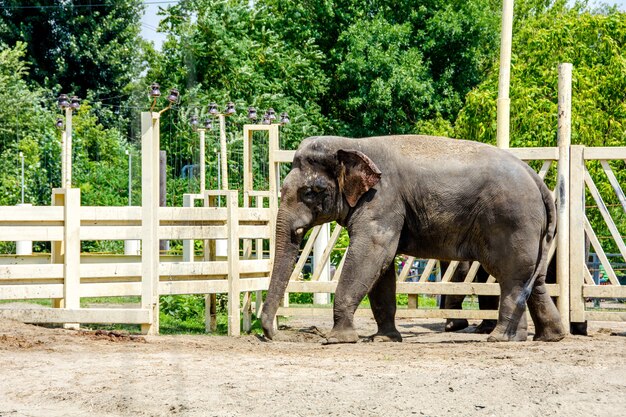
pixel 428 197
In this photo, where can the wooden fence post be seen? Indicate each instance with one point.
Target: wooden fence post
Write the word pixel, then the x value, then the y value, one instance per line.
pixel 188 244
pixel 71 261
pixel 577 234
pixel 150 219
pixel 57 247
pixel 563 190
pixel 234 305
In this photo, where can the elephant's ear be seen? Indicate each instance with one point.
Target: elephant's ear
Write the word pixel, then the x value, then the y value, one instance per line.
pixel 357 174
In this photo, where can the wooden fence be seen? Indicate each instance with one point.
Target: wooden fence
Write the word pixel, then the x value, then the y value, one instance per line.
pixel 70 277
pixel 247 227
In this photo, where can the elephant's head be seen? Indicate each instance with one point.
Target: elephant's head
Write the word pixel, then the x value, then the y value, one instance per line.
pixel 326 182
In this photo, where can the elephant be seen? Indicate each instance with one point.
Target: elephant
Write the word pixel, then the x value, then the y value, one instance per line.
pixel 423 196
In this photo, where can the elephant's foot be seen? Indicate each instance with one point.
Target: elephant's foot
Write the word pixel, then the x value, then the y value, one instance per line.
pixel 486 327
pixel 549 333
pixel 392 336
pixel 500 334
pixel 453 325
pixel 341 336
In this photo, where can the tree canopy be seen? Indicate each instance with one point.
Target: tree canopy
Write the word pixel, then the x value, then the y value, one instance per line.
pixel 595 44
pixel 80 45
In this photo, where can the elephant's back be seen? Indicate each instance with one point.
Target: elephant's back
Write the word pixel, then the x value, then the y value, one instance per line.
pixel 432 147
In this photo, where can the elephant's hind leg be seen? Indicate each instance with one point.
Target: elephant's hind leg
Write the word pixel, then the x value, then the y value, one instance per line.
pixel 548 325
pixel 383 304
pixel 511 326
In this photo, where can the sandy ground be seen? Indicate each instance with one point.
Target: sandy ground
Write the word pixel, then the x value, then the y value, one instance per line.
pixel 56 372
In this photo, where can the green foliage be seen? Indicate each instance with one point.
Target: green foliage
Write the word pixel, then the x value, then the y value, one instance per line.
pixel 183 307
pixel 79 45
pixel 594 44
pixel 26 126
pixel 392 65
pixel 384 80
pixel 228 51
pixel 300 298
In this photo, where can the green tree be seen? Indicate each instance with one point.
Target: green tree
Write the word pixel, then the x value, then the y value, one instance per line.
pixel 27 123
pixel 80 45
pixel 595 45
pixel 393 65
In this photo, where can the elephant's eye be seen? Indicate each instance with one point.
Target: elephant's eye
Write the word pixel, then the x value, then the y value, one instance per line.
pixel 309 195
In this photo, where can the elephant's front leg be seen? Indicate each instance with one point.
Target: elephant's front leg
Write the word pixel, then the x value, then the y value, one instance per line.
pixel 368 258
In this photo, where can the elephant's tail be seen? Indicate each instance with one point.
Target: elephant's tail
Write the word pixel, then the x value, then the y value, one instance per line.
pixel 549 231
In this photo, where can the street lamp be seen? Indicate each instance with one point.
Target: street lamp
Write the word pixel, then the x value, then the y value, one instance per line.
pixel 75 103
pixel 213 109
pixel 271 114
pixel 173 96
pixel 155 93
pixel 252 114
pixel 68 105
pixel 194 123
pixel 63 101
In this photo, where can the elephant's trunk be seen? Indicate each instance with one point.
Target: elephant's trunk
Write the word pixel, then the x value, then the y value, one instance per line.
pixel 287 248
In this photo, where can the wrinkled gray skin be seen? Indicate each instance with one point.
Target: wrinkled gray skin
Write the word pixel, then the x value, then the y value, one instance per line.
pixel 427 197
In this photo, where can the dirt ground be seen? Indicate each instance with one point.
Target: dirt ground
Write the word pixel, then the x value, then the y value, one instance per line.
pixel 56 372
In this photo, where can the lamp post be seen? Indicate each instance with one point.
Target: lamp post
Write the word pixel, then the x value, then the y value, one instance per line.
pixel 22 185
pixel 68 105
pixel 23 247
pixel 150 192
pixel 504 77
pixel 208 125
pixel 213 111
pixel 130 177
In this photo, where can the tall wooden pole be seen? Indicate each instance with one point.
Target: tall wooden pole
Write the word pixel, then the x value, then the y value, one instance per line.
pixel 66 149
pixel 202 162
pixel 164 245
pixel 224 156
pixel 504 103
pixel 564 134
pixel 150 139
